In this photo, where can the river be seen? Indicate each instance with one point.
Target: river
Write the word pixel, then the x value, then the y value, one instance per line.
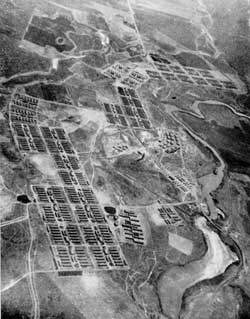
pixel 219 256
pixel 209 183
pixel 173 284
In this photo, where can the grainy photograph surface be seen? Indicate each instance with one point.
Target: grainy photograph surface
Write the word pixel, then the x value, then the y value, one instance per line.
pixel 125 159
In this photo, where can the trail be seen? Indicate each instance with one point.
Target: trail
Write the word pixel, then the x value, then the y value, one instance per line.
pixel 35 299
pixel 135 24
pixel 28 73
pixel 14 282
pixel 17 280
pixel 14 221
pixel 195 107
pixel 205 31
